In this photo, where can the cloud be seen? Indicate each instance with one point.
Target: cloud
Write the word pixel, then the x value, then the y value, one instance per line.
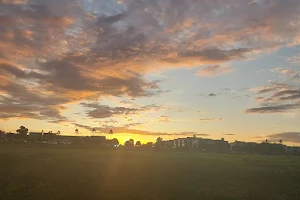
pixel 212 95
pixel 274 108
pixel 285 137
pixel 20 102
pixel 164 119
pixel 210 119
pixel 229 134
pixel 191 134
pixel 126 130
pixel 133 125
pixel 288 72
pixel 215 70
pixel 104 111
pixel 85 50
pixel 294 59
pixel 278 97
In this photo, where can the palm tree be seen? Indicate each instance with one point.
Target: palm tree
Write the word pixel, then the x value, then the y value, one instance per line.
pixel 110 133
pixel 280 141
pixel 93 131
pixel 76 131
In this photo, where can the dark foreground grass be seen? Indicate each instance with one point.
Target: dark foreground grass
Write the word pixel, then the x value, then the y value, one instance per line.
pixel 43 172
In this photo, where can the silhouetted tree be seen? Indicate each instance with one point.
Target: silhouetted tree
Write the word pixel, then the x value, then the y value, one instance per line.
pixel 76 131
pixel 129 143
pixel 149 145
pixel 159 142
pixel 93 131
pixel 138 144
pixel 22 131
pixel 114 142
pixel 280 141
pixel 58 133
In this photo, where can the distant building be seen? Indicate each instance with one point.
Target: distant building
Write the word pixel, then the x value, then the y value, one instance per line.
pixel 95 140
pixel 194 143
pixel 168 144
pixel 2 135
pixel 10 137
pixel 35 137
pixel 292 150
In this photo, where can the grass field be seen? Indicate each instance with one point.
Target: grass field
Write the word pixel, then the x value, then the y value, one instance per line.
pixel 51 172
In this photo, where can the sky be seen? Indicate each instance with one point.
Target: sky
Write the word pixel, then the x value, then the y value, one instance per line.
pixel 152 68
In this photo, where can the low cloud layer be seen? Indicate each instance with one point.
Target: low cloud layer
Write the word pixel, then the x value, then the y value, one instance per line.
pixel 127 130
pixel 293 137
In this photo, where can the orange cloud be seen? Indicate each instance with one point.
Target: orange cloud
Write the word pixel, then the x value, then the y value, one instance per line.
pixel 214 70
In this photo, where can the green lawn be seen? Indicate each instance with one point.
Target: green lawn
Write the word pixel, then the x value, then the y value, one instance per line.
pixel 51 172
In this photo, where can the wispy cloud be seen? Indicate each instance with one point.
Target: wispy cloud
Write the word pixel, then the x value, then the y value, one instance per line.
pixel 229 134
pixel 127 130
pixel 214 70
pixel 210 119
pixel 164 119
pixel 294 59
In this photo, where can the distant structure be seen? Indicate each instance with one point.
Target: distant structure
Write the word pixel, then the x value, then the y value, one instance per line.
pixel 194 143
pixel 179 144
pixel 222 146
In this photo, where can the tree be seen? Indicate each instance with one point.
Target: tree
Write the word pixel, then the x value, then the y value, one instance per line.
pixel 149 145
pixel 114 142
pixel 159 142
pixel 132 141
pixel 138 144
pixel 93 131
pixel 280 141
pixel 76 131
pixel 129 143
pixel 22 131
pixel 58 133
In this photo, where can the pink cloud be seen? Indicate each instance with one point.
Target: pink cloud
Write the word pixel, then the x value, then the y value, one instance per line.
pixel 214 70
